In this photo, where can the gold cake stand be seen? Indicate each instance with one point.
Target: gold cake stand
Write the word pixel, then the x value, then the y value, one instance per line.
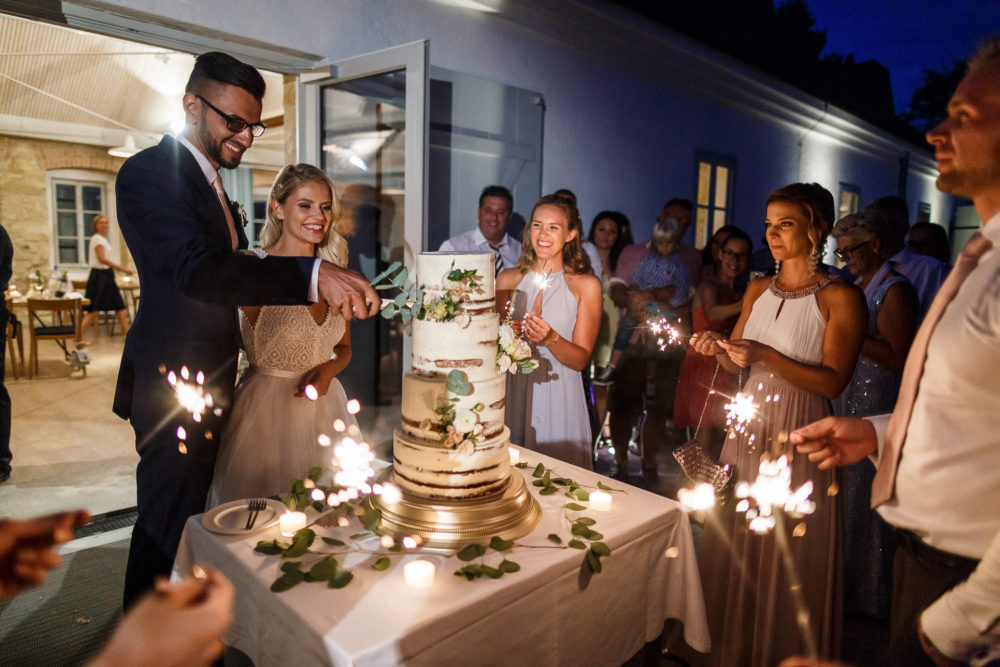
pixel 509 513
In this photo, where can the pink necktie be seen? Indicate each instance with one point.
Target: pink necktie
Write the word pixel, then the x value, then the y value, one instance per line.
pixel 221 194
pixel 885 479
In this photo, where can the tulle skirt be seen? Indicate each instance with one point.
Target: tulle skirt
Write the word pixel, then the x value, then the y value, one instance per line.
pixel 271 436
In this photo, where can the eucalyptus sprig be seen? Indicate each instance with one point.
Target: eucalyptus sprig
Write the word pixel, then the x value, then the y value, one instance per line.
pixel 481 569
pixel 581 526
pixel 409 299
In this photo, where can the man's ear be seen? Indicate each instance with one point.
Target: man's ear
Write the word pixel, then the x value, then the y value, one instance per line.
pixel 190 104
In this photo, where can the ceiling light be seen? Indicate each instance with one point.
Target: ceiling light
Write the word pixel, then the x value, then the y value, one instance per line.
pixel 128 149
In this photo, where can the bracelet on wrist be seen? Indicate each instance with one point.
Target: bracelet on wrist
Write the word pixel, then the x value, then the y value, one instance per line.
pixel 553 341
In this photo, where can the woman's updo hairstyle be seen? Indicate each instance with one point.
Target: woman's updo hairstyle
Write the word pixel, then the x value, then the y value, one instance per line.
pixel 817 202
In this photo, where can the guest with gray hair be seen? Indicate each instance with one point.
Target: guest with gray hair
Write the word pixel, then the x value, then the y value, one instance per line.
pixel 869 545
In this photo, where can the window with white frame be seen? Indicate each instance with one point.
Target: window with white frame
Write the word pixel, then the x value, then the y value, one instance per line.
pixel 76 198
pixel 849 202
pixel 713 206
pixel 923 212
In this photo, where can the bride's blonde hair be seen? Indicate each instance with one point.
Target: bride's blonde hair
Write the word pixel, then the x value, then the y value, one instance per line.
pixel 333 247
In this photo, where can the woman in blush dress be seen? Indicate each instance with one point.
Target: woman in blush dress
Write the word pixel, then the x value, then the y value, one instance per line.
pixel 546 410
pixel 800 333
pixel 893 309
pixel 716 306
pixel 290 394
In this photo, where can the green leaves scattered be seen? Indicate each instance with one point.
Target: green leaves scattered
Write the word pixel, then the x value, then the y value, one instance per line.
pixel 471 552
pixel 271 547
pixel 576 507
pixel 334 542
pixel 555 538
pixel 458 383
pixel 370 518
pixel 577 544
pixel 477 570
pixel 381 564
pixel 301 542
pixel 498 544
pixel 292 576
pixel 322 570
pixel 340 579
pixel 538 471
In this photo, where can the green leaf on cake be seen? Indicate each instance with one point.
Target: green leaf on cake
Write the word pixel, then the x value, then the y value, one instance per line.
pixel 340 579
pixel 576 507
pixel 458 383
pixel 401 300
pixel 471 552
pixel 399 280
pixel 555 538
pixel 405 315
pixel 389 271
pixel 381 564
pixel 498 544
pixel 389 311
pixel 538 471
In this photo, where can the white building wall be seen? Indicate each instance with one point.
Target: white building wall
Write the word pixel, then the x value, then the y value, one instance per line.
pixel 627 103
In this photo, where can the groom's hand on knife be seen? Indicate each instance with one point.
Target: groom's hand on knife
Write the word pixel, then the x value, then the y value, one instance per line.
pixel 347 292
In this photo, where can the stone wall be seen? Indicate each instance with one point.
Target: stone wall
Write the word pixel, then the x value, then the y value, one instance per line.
pixel 24 202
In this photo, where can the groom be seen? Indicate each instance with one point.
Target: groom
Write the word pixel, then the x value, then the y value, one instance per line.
pixel 180 228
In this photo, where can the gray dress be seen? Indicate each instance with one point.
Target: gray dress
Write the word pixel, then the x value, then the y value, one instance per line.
pixel 546 410
pixel 869 543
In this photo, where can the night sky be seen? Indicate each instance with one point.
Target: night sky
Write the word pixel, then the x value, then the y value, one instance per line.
pixel 907 36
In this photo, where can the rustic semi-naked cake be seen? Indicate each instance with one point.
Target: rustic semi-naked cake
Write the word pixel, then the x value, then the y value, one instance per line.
pixel 451 442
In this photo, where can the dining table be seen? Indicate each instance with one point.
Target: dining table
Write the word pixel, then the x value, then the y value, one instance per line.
pixel 555 610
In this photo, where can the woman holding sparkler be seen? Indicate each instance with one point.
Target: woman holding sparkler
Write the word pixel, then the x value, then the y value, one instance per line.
pixel 289 395
pixel 800 334
pixel 546 410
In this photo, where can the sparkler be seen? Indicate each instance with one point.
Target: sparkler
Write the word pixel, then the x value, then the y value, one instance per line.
pixel 701 497
pixel 740 411
pixel 191 395
pixel 772 491
pixel 666 333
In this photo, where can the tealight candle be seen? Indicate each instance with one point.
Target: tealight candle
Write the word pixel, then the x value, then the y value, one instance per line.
pixel 515 455
pixel 419 573
pixel 600 501
pixel 291 522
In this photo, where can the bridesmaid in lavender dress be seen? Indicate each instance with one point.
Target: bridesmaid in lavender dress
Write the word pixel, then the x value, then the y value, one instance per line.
pixel 546 410
pixel 893 308
pixel 800 333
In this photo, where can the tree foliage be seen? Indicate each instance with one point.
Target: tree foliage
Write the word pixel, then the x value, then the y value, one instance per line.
pixel 930 100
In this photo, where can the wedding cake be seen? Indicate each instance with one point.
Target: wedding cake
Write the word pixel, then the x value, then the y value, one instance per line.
pixel 452 442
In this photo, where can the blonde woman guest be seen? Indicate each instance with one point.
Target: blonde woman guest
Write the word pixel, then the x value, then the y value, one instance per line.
pixel 799 333
pixel 290 393
pixel 101 288
pixel 546 410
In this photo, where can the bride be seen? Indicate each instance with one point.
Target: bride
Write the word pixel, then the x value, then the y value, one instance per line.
pixel 271 435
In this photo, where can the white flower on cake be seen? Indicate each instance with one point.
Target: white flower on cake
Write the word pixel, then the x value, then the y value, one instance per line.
pixel 465 420
pixel 522 350
pixel 504 363
pixel 513 353
pixel 505 336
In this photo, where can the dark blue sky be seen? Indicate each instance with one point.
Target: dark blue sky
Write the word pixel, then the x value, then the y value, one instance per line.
pixel 907 36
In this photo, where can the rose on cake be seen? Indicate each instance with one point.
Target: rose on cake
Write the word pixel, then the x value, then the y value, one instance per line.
pixel 513 352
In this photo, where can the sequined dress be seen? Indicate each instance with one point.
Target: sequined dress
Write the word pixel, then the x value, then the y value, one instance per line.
pixel 546 409
pixel 271 436
pixel 751 611
pixel 869 543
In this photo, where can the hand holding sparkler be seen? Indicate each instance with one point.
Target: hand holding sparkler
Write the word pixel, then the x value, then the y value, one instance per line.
pixel 744 352
pixel 536 329
pixel 836 441
pixel 707 343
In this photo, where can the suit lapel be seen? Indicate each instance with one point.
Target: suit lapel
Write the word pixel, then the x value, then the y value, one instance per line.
pixel 209 204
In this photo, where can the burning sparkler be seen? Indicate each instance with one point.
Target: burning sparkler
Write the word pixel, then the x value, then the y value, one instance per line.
pixel 771 491
pixel 191 395
pixel 666 333
pixel 740 410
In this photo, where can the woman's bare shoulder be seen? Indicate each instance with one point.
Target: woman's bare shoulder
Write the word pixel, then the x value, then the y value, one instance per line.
pixel 508 279
pixel 583 283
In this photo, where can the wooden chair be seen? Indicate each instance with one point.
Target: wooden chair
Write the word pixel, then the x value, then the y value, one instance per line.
pixel 64 326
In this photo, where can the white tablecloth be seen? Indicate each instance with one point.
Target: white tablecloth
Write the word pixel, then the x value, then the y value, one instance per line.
pixel 552 612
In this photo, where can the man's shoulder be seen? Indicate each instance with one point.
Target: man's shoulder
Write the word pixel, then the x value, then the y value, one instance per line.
pixel 463 241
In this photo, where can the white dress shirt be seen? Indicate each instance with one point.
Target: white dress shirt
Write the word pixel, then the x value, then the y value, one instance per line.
pixel 92 260
pixel 948 481
pixel 926 274
pixel 473 240
pixel 210 174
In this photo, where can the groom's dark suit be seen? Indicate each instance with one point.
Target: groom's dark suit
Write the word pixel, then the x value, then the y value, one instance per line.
pixel 191 280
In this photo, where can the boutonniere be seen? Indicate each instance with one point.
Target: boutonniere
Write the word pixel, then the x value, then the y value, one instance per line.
pixel 238 212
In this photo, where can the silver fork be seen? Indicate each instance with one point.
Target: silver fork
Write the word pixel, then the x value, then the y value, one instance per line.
pixel 254 507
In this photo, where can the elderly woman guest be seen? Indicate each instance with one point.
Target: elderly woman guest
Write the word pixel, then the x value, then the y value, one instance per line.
pixel 101 288
pixel 893 309
pixel 799 333
pixel 546 410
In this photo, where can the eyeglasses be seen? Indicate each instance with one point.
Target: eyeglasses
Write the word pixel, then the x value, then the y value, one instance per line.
pixel 729 254
pixel 235 124
pixel 850 250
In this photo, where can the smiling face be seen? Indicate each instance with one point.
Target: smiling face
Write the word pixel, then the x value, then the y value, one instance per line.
pixel 550 232
pixel 786 229
pixel 494 214
pixel 605 233
pixel 734 258
pixel 207 130
pixel 967 142
pixel 306 215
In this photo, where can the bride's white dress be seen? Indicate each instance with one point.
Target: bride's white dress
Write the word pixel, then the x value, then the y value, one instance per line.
pixel 271 436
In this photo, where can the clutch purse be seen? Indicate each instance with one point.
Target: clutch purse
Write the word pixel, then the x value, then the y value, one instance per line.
pixel 703 469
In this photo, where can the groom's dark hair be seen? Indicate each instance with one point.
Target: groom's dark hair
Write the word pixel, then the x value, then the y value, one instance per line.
pixel 223 68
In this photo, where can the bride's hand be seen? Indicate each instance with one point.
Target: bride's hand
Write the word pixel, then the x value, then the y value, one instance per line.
pixel 319 377
pixel 536 329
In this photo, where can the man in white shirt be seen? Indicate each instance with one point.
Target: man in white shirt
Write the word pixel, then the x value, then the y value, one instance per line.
pixel 926 273
pixel 496 205
pixel 944 498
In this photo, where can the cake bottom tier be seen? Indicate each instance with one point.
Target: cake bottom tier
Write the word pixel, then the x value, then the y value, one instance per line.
pixel 433 471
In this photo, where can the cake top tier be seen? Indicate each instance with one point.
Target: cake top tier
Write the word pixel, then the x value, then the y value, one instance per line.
pixel 441 271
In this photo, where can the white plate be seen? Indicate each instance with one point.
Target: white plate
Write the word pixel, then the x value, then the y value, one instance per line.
pixel 230 518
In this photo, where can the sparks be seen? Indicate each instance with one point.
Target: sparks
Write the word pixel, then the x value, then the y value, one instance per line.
pixel 191 395
pixel 701 497
pixel 740 410
pixel 666 333
pixel 771 491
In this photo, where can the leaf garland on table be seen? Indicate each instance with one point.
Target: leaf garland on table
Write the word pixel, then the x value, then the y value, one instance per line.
pixel 323 566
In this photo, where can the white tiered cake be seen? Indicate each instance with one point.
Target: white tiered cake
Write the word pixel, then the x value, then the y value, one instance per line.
pixel 451 442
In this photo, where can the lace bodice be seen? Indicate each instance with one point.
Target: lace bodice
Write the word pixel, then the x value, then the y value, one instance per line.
pixel 288 338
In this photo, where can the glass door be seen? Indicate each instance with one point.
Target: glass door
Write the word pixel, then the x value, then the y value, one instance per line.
pixel 365 124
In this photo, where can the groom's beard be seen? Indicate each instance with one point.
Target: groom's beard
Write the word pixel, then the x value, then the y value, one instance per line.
pixel 213 146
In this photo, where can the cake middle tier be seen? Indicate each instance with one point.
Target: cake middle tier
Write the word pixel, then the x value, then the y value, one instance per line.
pixel 441 347
pixel 439 472
pixel 422 396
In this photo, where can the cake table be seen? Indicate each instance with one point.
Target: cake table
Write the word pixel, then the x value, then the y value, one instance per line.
pixel 553 612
